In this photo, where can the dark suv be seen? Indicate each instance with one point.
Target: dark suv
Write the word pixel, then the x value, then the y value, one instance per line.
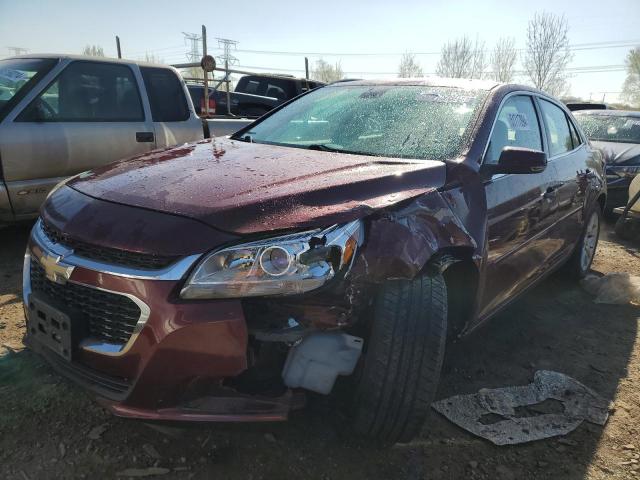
pixel 347 234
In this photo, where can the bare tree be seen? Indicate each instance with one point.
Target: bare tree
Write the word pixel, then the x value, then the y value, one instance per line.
pixel 409 67
pixel 325 72
pixel 503 60
pixel 462 58
pixel 547 54
pixel 153 58
pixel 93 51
pixel 631 86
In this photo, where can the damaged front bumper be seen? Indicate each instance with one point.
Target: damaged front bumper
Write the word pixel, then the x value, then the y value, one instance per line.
pixel 128 337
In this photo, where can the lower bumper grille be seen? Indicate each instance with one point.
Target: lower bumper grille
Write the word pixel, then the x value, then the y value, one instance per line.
pixel 113 388
pixel 109 316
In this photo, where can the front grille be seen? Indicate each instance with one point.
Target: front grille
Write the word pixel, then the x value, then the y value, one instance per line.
pixel 109 316
pixel 112 256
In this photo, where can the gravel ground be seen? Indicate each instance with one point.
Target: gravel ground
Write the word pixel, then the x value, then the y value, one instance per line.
pixel 51 429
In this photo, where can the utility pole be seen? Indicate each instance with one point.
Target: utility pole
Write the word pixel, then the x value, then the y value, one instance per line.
pixel 17 50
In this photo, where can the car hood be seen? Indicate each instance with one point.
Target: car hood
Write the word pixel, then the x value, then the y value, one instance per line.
pixel 245 187
pixel 616 153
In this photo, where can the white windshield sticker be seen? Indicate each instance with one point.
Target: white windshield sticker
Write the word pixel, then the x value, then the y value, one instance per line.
pixel 518 121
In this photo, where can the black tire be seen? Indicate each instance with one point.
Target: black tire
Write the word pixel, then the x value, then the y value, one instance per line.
pixel 575 267
pixel 399 376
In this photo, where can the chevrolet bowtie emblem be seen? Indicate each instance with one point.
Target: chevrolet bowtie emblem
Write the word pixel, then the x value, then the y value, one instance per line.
pixel 53 264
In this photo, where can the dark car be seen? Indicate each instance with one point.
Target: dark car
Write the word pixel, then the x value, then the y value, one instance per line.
pixel 347 234
pixel 617 134
pixel 253 96
pixel 575 106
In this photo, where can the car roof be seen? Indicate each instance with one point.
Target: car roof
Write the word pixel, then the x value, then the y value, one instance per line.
pixel 426 81
pixel 609 113
pixel 64 56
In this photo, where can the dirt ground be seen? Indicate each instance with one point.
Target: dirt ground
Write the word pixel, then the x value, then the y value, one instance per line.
pixel 51 429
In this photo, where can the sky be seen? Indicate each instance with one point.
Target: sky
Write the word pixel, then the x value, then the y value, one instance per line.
pixel 367 37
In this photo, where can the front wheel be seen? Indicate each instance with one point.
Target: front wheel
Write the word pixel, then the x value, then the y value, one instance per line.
pixel 399 377
pixel 585 251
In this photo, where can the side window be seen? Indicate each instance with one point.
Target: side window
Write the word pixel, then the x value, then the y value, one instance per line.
pixel 575 138
pixel 275 91
pixel 516 126
pixel 557 127
pixel 251 87
pixel 166 96
pixel 88 92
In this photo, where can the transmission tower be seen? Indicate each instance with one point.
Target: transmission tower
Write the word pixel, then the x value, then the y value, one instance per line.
pixel 17 50
pixel 194 39
pixel 226 56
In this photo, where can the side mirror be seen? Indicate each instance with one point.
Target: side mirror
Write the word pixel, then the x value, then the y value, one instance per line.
pixel 520 160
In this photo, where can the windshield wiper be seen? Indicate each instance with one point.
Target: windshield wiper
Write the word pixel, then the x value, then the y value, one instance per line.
pixel 326 148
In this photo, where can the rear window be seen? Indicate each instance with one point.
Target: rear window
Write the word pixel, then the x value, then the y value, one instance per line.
pixel 166 96
pixel 610 128
pixel 394 121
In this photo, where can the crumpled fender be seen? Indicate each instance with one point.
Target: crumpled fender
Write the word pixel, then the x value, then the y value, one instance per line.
pixel 400 243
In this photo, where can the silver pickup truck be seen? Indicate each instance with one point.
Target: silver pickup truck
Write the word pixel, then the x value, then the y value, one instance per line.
pixel 62 114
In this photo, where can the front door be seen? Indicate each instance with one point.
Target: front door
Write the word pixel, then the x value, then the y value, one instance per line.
pixel 91 114
pixel 520 209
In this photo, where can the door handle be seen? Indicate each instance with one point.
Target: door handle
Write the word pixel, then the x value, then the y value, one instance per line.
pixel 551 192
pixel 144 137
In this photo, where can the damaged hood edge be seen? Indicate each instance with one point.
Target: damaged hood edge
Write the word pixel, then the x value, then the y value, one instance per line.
pixel 250 188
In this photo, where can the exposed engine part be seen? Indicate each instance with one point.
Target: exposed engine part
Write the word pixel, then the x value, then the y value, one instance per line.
pixel 292 334
pixel 316 362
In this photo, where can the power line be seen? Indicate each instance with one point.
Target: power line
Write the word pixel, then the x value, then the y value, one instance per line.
pixel 572 70
pixel 575 47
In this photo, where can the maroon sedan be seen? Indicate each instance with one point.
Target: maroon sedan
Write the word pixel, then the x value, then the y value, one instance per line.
pixel 341 239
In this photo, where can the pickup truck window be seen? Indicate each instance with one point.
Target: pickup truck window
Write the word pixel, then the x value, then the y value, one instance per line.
pixel 88 92
pixel 408 121
pixel 162 84
pixel 17 77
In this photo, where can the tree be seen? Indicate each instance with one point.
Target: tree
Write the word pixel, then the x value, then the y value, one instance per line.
pixel 93 51
pixel 547 54
pixel 153 58
pixel 325 72
pixel 409 67
pixel 503 60
pixel 462 58
pixel 631 86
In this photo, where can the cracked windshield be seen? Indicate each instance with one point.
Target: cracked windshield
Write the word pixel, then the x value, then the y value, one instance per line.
pixel 410 121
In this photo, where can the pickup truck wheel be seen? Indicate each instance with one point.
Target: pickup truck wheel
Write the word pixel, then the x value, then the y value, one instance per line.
pixel 398 378
pixel 582 258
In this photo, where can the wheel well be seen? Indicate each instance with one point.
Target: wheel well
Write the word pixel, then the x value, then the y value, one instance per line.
pixel 461 279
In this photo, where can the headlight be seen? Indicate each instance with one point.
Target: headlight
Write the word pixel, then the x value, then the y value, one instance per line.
pixel 62 183
pixel 284 265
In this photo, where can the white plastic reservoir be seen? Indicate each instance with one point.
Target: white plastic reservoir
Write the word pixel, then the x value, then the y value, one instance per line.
pixel 319 358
